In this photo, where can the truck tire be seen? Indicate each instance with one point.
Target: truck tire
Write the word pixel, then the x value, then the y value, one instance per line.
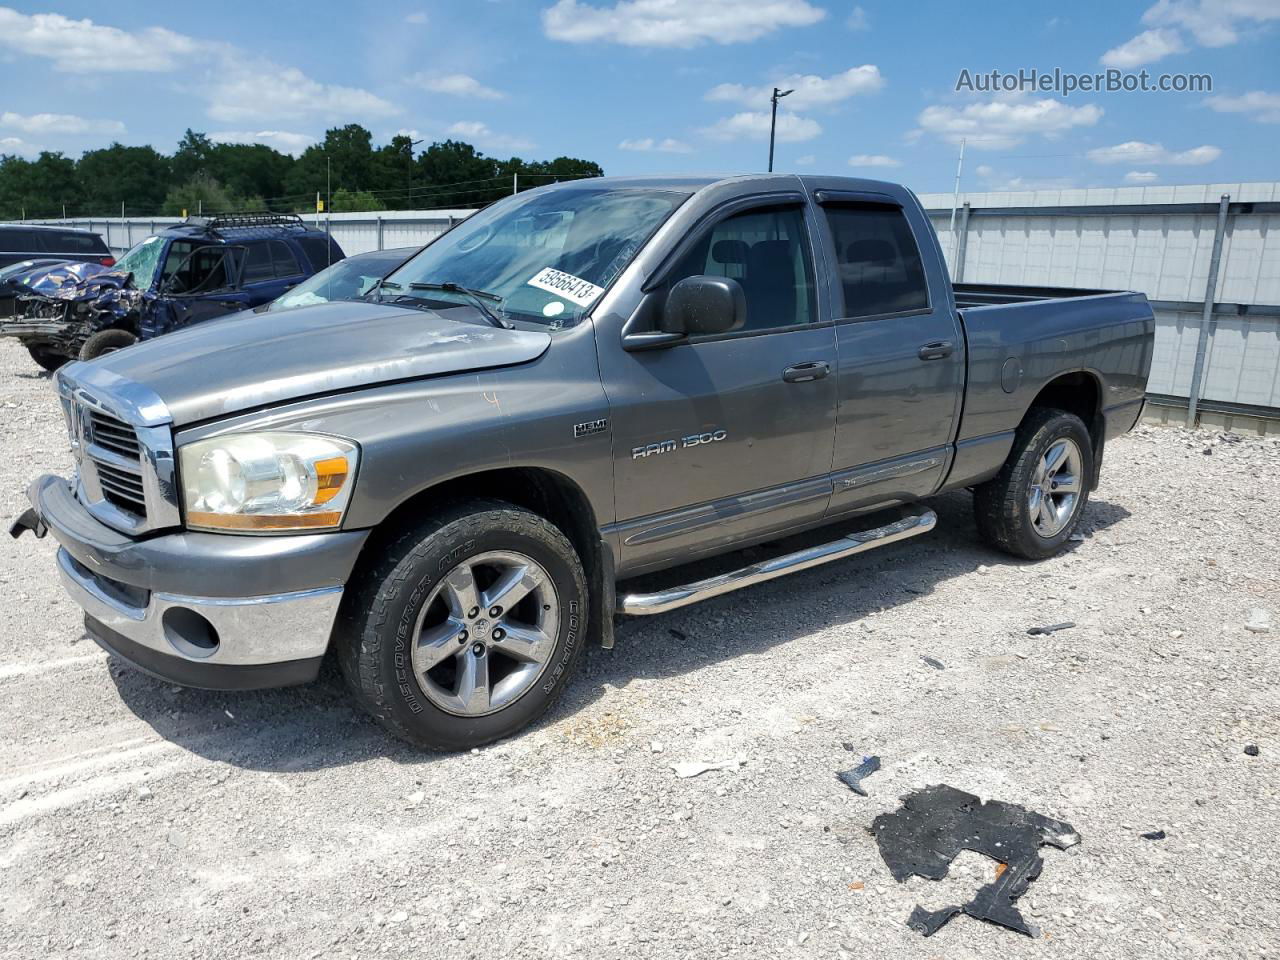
pixel 46 358
pixel 1032 506
pixel 106 341
pixel 431 643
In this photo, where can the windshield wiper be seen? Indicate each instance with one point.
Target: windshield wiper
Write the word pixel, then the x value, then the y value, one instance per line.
pixel 477 298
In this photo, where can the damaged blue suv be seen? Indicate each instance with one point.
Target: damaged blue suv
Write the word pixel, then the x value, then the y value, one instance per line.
pixel 203 268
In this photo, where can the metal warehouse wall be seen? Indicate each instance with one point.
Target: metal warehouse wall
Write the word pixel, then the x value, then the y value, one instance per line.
pixel 1158 240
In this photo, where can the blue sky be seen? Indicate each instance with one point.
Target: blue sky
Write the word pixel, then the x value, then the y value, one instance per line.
pixel 654 86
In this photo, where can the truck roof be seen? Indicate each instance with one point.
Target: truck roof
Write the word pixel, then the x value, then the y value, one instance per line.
pixel 241 226
pixel 693 184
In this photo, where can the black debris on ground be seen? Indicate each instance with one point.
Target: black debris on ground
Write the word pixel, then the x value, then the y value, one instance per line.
pixel 924 835
pixel 936 664
pixel 1154 835
pixel 1052 628
pixel 853 778
pixel 1251 750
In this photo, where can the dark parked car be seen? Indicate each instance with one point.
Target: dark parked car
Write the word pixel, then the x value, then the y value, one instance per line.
pixel 195 271
pixel 447 483
pixel 28 241
pixel 348 279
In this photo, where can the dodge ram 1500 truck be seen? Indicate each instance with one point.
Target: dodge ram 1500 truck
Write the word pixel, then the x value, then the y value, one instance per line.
pixel 444 484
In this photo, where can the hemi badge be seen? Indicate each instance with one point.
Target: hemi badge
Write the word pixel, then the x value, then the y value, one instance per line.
pixel 581 430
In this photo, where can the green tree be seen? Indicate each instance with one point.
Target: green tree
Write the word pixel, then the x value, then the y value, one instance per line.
pixel 136 176
pixel 201 194
pixel 40 188
pixel 250 169
pixel 394 172
pixel 356 201
pixel 344 158
pixel 191 157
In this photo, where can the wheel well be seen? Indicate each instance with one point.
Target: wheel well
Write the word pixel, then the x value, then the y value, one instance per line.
pixel 547 493
pixel 1081 394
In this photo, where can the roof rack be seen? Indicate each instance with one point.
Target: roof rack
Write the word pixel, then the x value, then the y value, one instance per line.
pixel 223 221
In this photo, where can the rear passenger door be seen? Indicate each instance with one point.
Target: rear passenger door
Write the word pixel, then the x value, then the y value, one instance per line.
pixel 270 268
pixel 901 353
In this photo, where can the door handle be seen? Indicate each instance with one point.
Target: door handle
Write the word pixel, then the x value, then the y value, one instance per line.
pixel 804 372
pixel 937 350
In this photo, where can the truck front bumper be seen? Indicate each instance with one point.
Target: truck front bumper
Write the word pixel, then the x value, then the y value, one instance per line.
pixel 202 610
pixel 36 331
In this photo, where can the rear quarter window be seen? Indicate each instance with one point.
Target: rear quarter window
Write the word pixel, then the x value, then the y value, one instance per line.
pixel 80 243
pixel 320 252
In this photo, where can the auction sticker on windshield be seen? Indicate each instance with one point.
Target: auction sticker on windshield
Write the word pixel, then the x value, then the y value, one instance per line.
pixel 566 285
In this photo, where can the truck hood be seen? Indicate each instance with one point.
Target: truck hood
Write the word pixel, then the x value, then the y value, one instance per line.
pixel 253 360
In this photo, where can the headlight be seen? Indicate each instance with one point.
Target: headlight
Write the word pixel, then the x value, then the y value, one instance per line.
pixel 267 481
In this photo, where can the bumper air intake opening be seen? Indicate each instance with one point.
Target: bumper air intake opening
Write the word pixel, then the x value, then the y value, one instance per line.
pixel 189 633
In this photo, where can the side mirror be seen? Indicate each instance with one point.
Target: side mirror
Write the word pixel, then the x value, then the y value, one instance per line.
pixel 697 306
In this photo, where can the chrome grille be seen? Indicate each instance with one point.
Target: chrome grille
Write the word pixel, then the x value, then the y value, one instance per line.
pixel 123 447
pixel 116 454
pixel 113 435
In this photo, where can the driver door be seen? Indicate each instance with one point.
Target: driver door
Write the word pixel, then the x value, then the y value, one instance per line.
pixel 206 285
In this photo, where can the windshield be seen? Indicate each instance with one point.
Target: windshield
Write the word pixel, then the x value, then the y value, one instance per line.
pixel 345 280
pixel 142 260
pixel 544 256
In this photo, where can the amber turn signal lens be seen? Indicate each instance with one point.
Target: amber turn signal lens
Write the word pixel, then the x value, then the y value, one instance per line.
pixel 252 521
pixel 331 474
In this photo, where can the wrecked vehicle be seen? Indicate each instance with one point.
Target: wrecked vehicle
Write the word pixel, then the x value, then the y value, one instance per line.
pixel 446 483
pixel 203 268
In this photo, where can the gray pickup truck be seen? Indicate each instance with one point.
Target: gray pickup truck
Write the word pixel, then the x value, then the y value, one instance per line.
pixel 446 483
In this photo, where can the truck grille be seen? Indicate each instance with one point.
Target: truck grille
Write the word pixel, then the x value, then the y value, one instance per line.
pixel 115 436
pixel 124 489
pixel 121 476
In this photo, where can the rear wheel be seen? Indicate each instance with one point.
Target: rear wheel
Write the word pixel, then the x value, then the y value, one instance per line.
pixel 48 359
pixel 1032 506
pixel 106 341
pixel 467 628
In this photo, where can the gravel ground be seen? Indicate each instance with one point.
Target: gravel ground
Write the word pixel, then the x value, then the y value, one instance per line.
pixel 137 818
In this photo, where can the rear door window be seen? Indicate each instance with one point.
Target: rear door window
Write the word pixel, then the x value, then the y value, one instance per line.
pixel 283 262
pixel 319 252
pixel 877 260
pixel 257 263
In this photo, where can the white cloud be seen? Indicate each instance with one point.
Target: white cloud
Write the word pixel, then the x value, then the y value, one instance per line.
pixel 456 85
pixel 985 170
pixel 857 19
pixel 1213 23
pixel 473 131
pixel 267 91
pixel 755 126
pixel 650 145
pixel 807 160
pixel 58 123
pixel 82 46
pixel 1000 124
pixel 809 90
pixel 417 18
pixel 674 23
pixel 18 146
pixel 1147 47
pixel 1141 177
pixel 282 140
pixel 1138 152
pixel 873 160
pixel 1210 23
pixel 1259 104
pixel 238 88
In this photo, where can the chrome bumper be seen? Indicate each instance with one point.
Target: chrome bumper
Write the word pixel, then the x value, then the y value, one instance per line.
pixel 252 630
pixel 267 623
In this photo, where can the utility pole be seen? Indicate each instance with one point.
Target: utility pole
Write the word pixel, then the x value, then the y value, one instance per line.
pixel 328 211
pixel 773 119
pixel 515 183
pixel 955 200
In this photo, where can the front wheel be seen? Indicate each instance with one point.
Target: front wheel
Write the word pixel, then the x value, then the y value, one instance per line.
pixel 1032 506
pixel 46 358
pixel 106 341
pixel 467 628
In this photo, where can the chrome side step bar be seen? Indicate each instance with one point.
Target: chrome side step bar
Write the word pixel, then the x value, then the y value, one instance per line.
pixel 638 604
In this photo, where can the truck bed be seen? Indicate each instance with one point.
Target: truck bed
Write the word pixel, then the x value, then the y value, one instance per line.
pixel 992 294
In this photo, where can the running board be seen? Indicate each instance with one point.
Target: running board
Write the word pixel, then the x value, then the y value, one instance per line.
pixel 638 604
